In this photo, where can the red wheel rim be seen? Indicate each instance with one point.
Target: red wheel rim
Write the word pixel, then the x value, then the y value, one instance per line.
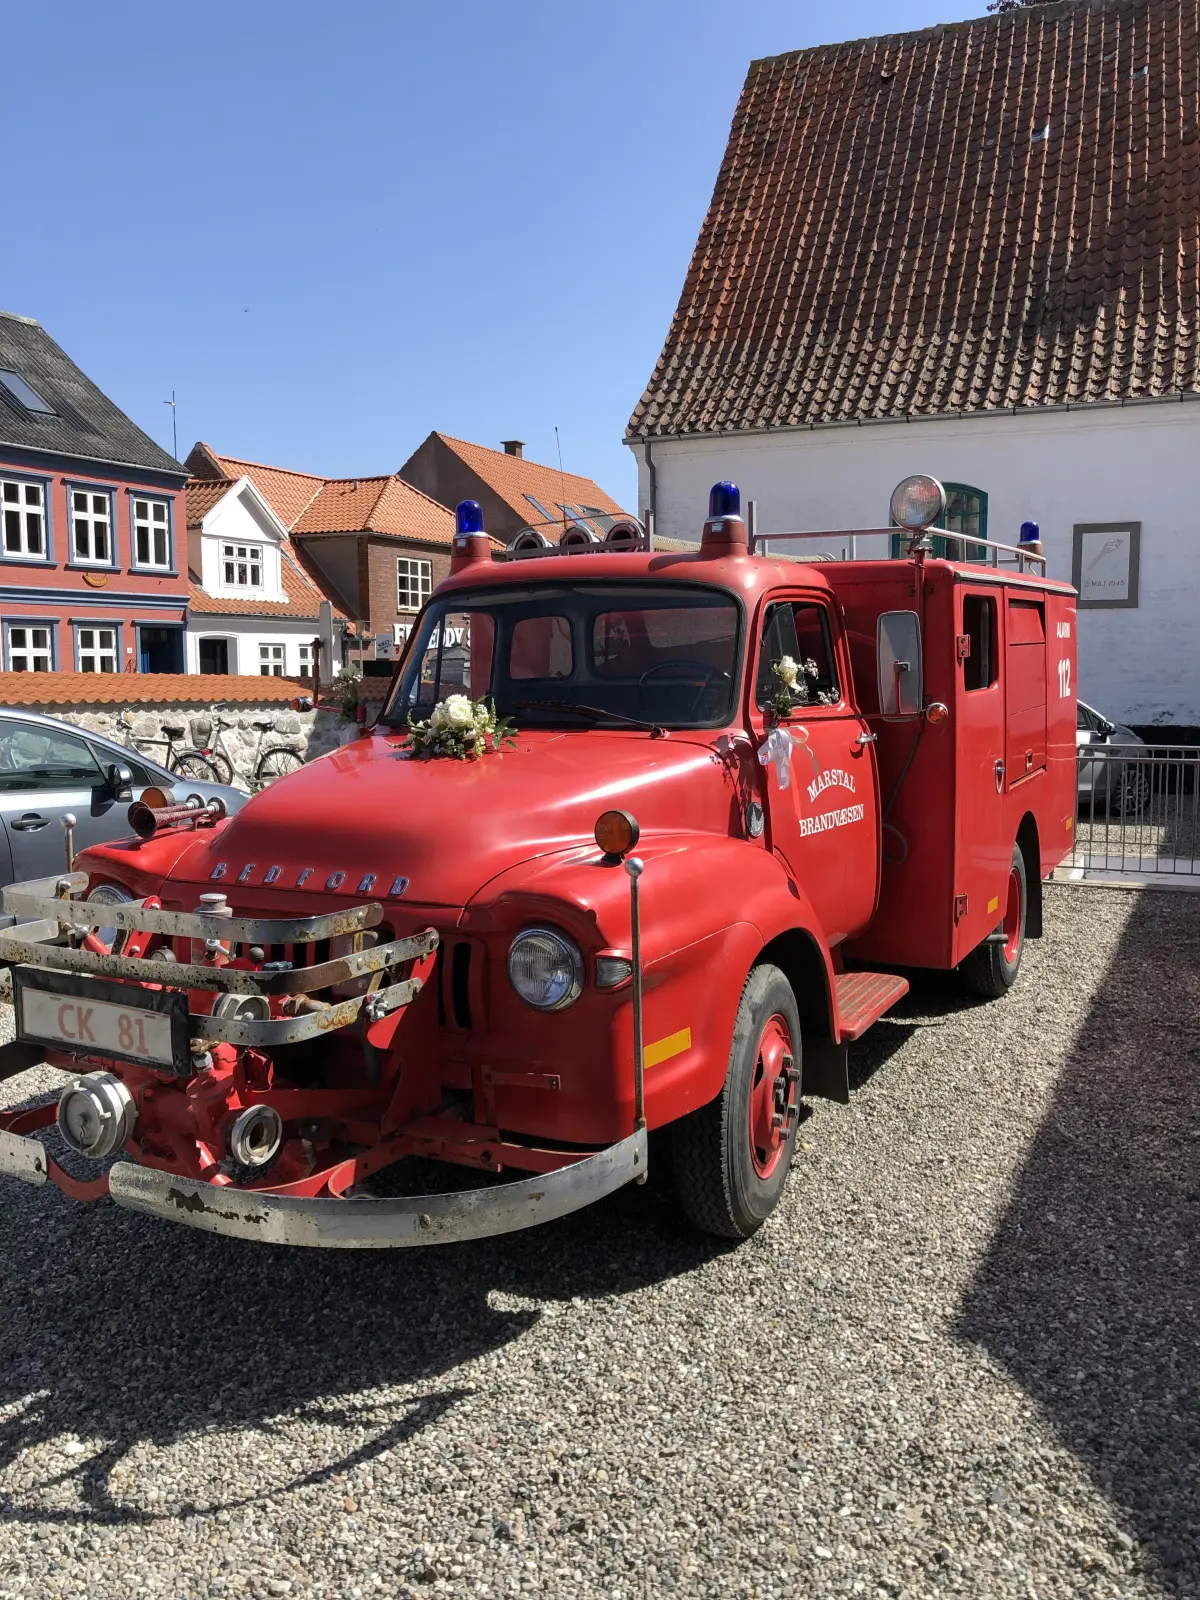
pixel 1012 918
pixel 772 1095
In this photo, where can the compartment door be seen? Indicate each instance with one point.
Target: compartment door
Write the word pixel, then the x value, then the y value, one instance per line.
pixel 1025 649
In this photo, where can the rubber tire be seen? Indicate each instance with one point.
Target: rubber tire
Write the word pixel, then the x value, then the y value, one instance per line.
pixel 1133 794
pixel 276 763
pixel 187 764
pixel 718 1187
pixel 221 765
pixel 986 971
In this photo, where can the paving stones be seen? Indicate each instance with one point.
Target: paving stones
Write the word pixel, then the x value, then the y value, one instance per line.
pixel 960 1360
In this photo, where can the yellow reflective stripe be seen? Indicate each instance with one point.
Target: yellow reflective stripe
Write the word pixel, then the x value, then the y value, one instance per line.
pixel 663 1049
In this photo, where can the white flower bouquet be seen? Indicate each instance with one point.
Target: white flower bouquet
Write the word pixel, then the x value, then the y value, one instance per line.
pixel 460 728
pixel 797 686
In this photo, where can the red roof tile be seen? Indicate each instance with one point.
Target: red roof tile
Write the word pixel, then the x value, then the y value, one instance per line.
pixel 514 479
pixel 136 688
pixel 377 505
pixel 894 232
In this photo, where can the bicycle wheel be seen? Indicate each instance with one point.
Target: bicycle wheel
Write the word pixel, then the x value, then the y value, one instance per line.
pixel 187 764
pixel 276 763
pixel 221 765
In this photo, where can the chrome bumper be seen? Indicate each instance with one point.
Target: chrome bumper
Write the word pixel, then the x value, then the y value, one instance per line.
pixel 357 1224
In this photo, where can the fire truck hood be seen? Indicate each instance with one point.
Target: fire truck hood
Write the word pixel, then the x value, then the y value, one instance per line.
pixel 369 810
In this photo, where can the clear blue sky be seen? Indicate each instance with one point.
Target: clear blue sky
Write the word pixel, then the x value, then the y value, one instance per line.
pixel 332 227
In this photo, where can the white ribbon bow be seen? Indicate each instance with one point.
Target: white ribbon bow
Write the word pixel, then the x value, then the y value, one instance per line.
pixel 776 750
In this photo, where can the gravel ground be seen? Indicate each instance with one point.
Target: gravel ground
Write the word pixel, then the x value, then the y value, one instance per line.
pixel 961 1359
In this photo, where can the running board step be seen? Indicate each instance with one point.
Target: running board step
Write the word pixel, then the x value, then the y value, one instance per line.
pixel 862 998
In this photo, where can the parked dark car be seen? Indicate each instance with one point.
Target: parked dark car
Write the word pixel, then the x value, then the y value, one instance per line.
pixel 49 768
pixel 1117 782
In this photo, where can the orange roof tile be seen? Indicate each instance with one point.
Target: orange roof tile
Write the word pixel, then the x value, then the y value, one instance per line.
pixel 201 495
pixel 982 215
pixel 514 478
pixel 42 689
pixel 377 505
pixel 286 492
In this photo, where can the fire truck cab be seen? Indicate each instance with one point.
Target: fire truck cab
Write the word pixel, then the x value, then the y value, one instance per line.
pixel 741 795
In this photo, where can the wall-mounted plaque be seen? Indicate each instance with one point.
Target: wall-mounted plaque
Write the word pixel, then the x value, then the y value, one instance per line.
pixel 1105 558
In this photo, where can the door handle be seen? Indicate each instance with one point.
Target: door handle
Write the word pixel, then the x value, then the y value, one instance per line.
pixel 865 738
pixel 29 823
pixel 999 776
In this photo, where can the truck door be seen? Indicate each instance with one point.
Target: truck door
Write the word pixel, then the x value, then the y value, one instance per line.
pixel 982 852
pixel 1025 660
pixel 825 824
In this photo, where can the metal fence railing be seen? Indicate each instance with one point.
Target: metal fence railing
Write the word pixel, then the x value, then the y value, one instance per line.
pixel 1138 814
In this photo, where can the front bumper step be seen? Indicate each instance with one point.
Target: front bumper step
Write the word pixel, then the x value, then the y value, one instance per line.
pixel 355 1224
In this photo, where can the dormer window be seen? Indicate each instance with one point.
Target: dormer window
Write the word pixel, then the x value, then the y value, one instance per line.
pixel 242 566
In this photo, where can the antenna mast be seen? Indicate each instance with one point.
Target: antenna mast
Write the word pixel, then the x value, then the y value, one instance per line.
pixel 174 427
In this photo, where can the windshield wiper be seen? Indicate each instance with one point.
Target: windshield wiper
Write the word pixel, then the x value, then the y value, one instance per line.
pixel 580 710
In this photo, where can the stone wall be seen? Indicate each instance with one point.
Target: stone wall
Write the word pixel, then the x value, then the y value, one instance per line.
pixel 309 733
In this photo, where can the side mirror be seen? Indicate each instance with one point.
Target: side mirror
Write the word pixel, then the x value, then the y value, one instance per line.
pixel 120 781
pixel 1108 728
pixel 898 649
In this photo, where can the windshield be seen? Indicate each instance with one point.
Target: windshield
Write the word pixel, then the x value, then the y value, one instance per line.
pixel 568 654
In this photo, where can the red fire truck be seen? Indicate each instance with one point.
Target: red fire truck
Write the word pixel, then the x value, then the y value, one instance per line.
pixel 738 792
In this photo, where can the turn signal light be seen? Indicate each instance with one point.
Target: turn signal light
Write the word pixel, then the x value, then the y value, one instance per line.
pixel 616 833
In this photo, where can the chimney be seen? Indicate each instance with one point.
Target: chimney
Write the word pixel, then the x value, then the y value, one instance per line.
pixel 513 447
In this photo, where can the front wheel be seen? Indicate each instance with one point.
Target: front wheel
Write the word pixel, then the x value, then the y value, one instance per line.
pixel 276 763
pixel 991 968
pixel 731 1157
pixel 187 764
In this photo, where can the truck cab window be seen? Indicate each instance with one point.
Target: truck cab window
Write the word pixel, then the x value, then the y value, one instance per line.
pixel 979 625
pixel 799 630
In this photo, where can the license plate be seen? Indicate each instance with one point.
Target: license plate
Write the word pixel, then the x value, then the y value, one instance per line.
pixel 86 1016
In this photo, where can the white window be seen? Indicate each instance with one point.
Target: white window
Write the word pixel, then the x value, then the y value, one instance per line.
pixel 242 565
pixel 414 580
pixel 97 649
pixel 270 660
pixel 91 520
pixel 306 660
pixel 151 533
pixel 24 506
pixel 29 649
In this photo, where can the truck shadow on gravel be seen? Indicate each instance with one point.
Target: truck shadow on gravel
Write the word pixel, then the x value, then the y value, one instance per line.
pixel 127 1333
pixel 1090 1294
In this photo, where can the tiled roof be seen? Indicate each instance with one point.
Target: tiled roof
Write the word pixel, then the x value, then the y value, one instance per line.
pixel 377 505
pixel 201 495
pixel 513 479
pixel 82 421
pixel 304 594
pixel 996 213
pixel 286 492
pixel 136 688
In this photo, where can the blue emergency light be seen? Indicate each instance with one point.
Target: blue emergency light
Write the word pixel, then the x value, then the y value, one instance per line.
pixel 724 500
pixel 1030 533
pixel 468 517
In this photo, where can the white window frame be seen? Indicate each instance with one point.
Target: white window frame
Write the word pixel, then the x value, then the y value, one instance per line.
pixel 28 650
pixel 305 654
pixel 96 521
pixel 143 519
pixel 272 661
pixel 246 557
pixel 414 576
pixel 97 651
pixel 24 499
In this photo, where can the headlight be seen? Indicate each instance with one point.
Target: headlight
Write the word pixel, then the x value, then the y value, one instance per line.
pixel 545 968
pixel 108 894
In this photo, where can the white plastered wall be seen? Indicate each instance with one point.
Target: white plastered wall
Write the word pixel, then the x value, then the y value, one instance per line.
pixel 1058 468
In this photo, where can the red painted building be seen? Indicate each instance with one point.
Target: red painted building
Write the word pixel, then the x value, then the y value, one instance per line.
pixel 93 557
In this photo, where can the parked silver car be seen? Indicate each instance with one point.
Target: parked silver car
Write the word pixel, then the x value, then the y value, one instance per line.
pixel 1111 782
pixel 49 768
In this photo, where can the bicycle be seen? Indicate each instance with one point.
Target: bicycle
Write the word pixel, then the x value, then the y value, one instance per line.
pixel 276 761
pixel 183 763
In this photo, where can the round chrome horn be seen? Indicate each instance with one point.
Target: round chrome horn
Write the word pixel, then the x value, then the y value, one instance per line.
pixel 96 1115
pixel 528 539
pixel 575 536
